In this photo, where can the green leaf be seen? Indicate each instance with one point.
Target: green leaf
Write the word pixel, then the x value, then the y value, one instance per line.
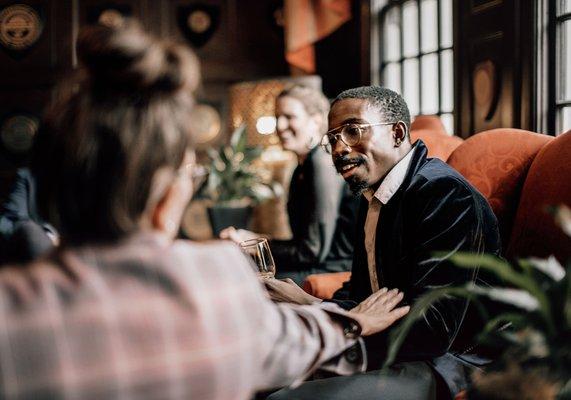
pixel 235 175
pixel 508 274
pixel 549 266
pixel 515 297
pixel 567 306
pixel 515 319
pixel 238 139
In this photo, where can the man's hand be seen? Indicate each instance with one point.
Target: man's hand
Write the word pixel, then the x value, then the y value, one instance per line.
pixel 287 291
pixel 238 235
pixel 377 312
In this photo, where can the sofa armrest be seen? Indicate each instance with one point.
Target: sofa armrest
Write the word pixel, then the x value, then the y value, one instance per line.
pixel 325 285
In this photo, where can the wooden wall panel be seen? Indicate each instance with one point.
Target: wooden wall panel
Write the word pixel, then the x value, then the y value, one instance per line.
pixel 493 64
pixel 50 55
pixel 247 44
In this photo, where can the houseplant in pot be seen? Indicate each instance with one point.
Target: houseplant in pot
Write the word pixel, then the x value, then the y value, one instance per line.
pixel 237 181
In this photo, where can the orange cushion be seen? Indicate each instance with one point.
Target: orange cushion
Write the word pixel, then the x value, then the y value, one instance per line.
pixel 463 395
pixel 428 122
pixel 496 163
pixel 325 285
pixel 548 183
pixel 439 144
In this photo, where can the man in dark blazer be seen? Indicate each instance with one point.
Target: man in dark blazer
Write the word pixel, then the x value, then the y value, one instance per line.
pixel 411 208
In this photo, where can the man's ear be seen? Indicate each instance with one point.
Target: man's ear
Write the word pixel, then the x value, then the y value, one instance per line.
pixel 400 132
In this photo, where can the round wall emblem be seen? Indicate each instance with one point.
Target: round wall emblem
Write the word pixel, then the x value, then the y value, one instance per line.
pixel 18 133
pixel 199 21
pixel 20 27
pixel 111 18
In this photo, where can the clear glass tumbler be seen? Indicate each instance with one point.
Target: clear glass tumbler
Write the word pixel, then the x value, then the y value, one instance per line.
pixel 259 250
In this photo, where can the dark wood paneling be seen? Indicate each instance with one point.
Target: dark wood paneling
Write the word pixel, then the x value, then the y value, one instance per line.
pixel 493 65
pixel 248 44
pixel 49 56
pixel 339 59
pixel 90 10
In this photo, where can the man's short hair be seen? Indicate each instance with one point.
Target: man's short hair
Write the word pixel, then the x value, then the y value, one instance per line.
pixel 391 104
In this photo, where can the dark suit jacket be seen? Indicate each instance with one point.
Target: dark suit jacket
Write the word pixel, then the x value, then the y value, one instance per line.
pixel 435 209
pixel 322 213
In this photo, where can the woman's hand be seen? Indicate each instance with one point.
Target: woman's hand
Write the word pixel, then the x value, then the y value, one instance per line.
pixel 377 312
pixel 238 235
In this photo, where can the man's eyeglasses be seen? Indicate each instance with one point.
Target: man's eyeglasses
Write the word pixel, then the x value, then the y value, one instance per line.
pixel 350 134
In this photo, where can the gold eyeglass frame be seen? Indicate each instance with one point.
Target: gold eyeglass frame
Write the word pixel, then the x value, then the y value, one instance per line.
pixel 326 141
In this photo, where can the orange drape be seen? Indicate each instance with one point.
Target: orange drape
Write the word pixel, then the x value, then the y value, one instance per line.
pixel 306 22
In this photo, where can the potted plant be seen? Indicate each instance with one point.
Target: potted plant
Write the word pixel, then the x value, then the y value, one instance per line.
pixel 533 338
pixel 236 182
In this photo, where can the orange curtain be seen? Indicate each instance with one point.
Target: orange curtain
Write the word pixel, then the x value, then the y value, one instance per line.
pixel 306 22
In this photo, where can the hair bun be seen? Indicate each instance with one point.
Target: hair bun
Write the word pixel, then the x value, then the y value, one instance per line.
pixel 127 58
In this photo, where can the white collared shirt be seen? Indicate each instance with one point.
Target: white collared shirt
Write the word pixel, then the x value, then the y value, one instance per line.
pixel 384 193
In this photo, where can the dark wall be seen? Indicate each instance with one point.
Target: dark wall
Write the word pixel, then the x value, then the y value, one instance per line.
pixel 342 58
pixel 493 53
pixel 244 42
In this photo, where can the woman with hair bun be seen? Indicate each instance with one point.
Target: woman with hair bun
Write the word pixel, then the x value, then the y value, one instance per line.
pixel 120 309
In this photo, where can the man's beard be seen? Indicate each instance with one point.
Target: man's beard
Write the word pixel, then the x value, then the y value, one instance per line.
pixel 357 186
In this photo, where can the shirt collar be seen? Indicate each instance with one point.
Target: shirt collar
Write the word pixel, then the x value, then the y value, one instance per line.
pixel 392 181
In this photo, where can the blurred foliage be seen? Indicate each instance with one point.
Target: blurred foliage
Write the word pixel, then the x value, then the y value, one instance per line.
pixel 533 338
pixel 236 176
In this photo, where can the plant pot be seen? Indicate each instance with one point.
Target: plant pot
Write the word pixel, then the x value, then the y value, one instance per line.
pixel 221 217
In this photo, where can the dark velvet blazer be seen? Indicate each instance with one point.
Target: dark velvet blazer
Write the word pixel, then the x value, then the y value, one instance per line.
pixel 434 210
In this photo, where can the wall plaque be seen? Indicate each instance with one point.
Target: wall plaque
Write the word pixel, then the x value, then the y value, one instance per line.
pixel 17 133
pixel 111 18
pixel 198 22
pixel 20 27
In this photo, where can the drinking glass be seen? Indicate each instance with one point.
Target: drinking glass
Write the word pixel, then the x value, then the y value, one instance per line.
pixel 259 250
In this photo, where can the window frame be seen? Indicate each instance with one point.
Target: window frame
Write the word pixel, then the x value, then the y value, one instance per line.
pixel 556 78
pixel 439 51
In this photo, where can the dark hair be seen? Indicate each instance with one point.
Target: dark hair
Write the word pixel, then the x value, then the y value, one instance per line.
pixel 391 104
pixel 103 141
pixel 314 102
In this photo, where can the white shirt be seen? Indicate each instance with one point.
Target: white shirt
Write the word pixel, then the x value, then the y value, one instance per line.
pixel 384 193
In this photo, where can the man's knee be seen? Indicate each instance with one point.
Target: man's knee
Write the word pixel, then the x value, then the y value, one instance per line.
pixel 404 381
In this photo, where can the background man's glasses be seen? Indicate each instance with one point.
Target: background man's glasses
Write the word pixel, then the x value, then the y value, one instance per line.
pixel 350 134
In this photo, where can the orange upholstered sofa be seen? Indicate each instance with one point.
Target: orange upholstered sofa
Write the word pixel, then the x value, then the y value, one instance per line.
pixel 521 174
